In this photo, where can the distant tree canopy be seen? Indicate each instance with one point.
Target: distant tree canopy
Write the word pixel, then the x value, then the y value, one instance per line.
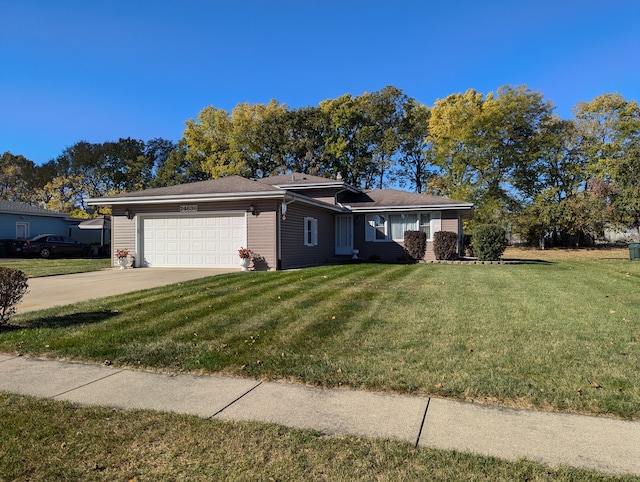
pixel 522 166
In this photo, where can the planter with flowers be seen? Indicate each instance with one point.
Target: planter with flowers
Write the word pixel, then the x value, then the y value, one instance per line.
pixel 122 254
pixel 245 258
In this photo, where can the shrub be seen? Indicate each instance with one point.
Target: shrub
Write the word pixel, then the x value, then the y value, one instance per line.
pixel 489 242
pixel 415 243
pixel 445 245
pixel 13 286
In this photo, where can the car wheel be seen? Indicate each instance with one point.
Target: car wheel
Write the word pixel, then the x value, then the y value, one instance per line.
pixel 45 253
pixel 86 252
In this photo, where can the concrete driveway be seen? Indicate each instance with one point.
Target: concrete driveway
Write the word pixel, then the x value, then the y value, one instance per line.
pixel 50 291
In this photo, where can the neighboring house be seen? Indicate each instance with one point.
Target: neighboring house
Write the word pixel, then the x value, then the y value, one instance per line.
pixel 24 221
pixel 288 221
pixel 620 235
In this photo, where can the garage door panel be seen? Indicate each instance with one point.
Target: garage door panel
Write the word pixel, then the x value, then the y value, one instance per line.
pixel 206 241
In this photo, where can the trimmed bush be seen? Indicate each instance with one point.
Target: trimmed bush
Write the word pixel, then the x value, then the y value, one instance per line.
pixel 489 242
pixel 415 244
pixel 445 245
pixel 13 286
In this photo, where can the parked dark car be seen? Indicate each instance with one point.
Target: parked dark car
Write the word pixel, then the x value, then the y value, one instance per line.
pixel 12 248
pixel 49 245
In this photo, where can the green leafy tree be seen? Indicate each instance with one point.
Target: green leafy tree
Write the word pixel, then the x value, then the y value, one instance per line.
pixel 487 148
pixel 345 143
pixel 305 141
pixel 206 143
pixel 610 126
pixel 20 178
pixel 414 155
pixel 259 138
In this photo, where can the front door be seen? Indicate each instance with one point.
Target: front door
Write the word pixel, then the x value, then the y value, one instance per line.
pixel 344 234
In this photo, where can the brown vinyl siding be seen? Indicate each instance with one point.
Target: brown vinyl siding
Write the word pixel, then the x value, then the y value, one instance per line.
pixel 261 236
pixel 293 250
pixel 123 234
pixel 325 195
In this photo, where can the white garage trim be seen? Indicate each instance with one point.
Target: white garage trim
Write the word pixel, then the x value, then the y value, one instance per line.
pixel 191 240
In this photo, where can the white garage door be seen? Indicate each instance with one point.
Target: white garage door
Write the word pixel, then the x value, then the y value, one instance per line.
pixel 193 241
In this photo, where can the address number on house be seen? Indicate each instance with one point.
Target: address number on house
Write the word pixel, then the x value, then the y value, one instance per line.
pixel 189 208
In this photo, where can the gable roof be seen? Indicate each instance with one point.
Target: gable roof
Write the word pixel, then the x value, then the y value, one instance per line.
pixel 231 187
pixel 395 200
pixel 222 185
pixel 297 180
pixel 11 207
pixel 221 189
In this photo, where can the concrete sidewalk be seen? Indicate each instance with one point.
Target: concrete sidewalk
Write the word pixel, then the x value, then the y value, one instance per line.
pixel 49 291
pixel 556 439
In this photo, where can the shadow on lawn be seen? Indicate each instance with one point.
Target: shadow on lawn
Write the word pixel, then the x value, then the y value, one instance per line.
pixel 527 261
pixel 63 321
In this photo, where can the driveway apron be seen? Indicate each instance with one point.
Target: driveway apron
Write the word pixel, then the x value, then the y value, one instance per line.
pixel 50 291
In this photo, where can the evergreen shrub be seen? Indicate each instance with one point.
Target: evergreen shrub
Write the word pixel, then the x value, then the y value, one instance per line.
pixel 489 242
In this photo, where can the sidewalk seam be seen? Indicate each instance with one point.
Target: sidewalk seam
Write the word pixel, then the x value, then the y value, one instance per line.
pixel 87 384
pixel 424 418
pixel 234 401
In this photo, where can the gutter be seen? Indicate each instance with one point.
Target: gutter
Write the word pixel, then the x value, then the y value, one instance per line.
pixel 430 207
pixel 287 196
pixel 177 198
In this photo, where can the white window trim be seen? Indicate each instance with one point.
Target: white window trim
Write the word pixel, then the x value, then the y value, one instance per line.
pixel 310 231
pixel 435 225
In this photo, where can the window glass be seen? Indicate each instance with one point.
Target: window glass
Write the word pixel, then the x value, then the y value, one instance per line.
pixel 400 223
pixel 310 232
pixel 425 224
pixel 380 225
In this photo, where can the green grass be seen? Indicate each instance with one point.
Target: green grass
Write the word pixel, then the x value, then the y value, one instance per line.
pixel 559 336
pixel 36 267
pixel 44 440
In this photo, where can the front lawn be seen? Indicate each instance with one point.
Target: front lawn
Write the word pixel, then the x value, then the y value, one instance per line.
pixel 561 335
pixel 36 267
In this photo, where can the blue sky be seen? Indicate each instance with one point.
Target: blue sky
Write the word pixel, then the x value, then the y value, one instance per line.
pixel 100 70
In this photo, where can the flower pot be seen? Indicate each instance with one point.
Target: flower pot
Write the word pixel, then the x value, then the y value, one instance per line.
pixel 244 264
pixel 123 263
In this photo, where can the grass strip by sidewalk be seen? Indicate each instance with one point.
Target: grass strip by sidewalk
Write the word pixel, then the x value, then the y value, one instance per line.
pixel 36 267
pixel 557 336
pixel 44 440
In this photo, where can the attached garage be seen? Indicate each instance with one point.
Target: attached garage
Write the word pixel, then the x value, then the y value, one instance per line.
pixel 192 241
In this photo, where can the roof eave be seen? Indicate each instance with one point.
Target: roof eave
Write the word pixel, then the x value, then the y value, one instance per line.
pixel 178 198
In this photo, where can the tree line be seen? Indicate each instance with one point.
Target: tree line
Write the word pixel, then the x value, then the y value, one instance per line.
pixel 506 151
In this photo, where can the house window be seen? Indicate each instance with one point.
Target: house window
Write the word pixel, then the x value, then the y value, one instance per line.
pixel 310 232
pixel 392 226
pixel 380 225
pixel 425 224
pixel 399 223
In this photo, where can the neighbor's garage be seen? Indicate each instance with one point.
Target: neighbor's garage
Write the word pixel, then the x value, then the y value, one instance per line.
pixel 193 241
